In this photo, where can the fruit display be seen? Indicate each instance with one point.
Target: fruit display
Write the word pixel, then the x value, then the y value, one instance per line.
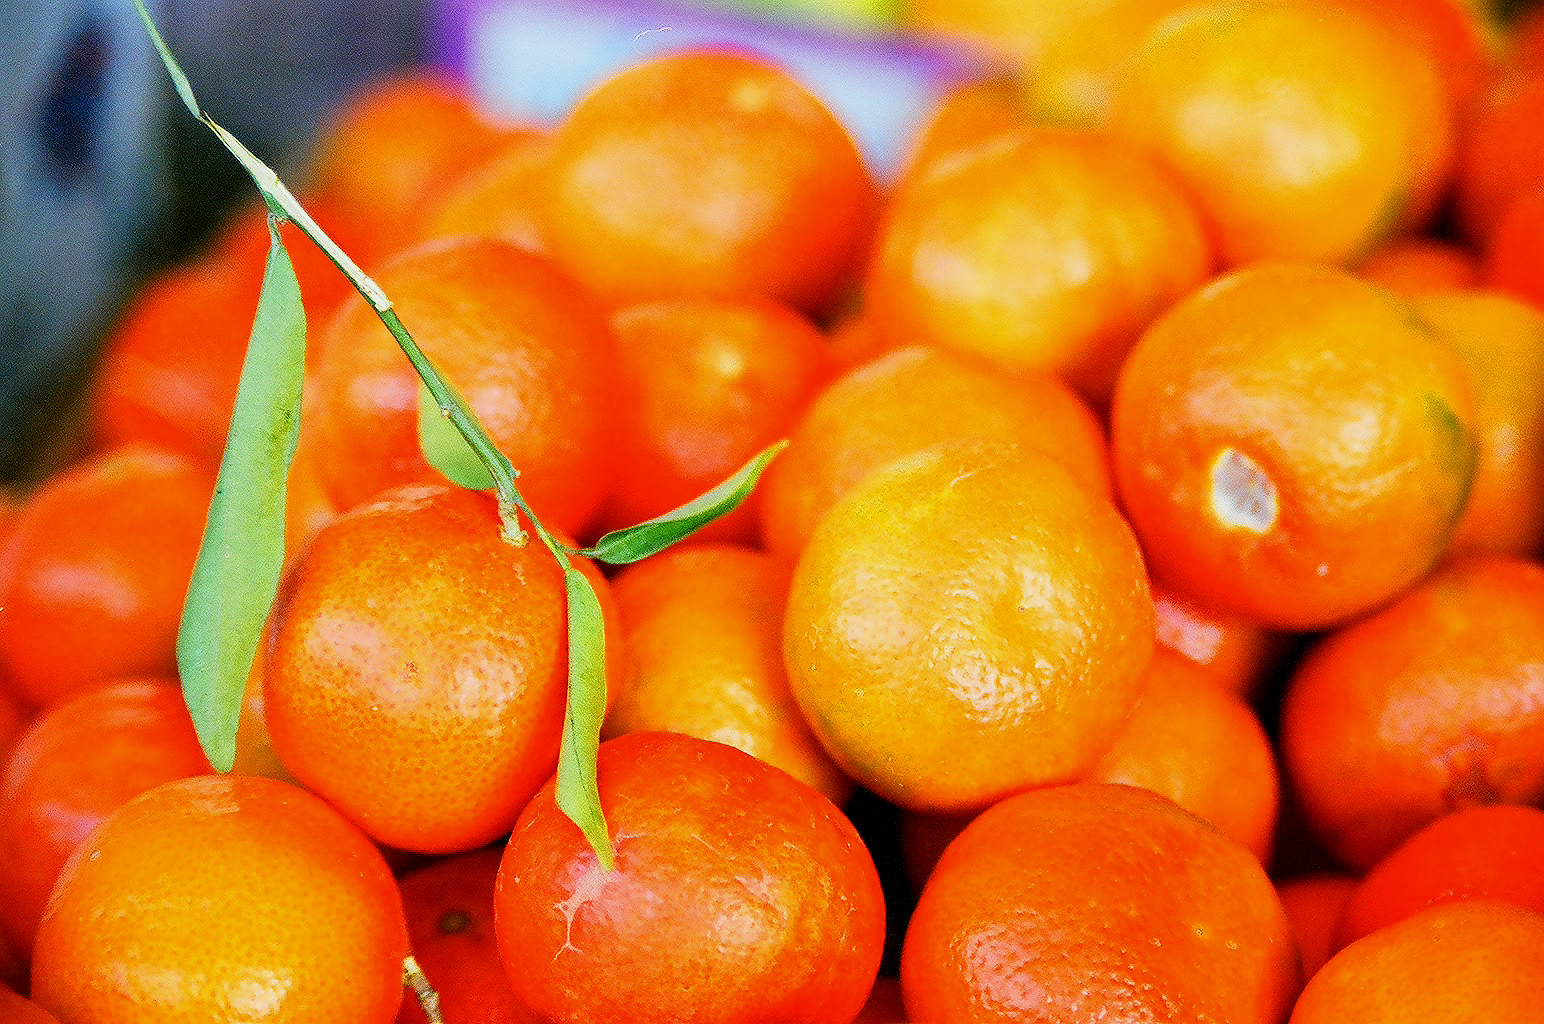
pixel 659 564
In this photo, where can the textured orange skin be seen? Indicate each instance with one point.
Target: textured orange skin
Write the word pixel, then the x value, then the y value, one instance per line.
pixel 1477 853
pixel 1358 416
pixel 1232 651
pixel 697 173
pixel 418 666
pixel 94 572
pixel 991 635
pixel 702 642
pixel 1501 156
pixel 1038 250
pixel 527 347
pixel 1451 34
pixel 1433 704
pixel 504 196
pixel 390 150
pixel 904 401
pixel 740 896
pixel 1305 131
pixel 1201 747
pixel 1501 341
pixel 706 384
pixel 76 764
pixel 1476 961
pixel 222 898
pixel 967 115
pixel 1415 264
pixel 13 720
pixel 1514 257
pixel 170 367
pixel 449 907
pixel 1087 902
pixel 1314 904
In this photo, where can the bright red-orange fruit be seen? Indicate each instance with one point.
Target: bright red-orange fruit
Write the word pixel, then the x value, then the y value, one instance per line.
pixel 76 764
pixel 223 897
pixel 418 668
pixel 93 575
pixel 739 895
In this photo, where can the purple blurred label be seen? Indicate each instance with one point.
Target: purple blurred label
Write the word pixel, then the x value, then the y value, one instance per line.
pixel 533 59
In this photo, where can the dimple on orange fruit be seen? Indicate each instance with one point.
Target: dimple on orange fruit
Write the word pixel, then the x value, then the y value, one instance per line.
pixel 1293 444
pixel 418 667
pixel 967 622
pixel 739 896
pixel 1037 249
pixel 708 173
pixel 1097 902
pixel 223 897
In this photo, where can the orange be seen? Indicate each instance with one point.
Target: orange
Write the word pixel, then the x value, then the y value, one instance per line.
pixel 1070 52
pixel 1514 255
pixel 853 341
pixel 739 895
pixel 389 149
pixel 449 907
pixel 76 764
pixel 15 1009
pixel 1501 340
pixel 1043 250
pixel 1526 48
pixel 1501 155
pixel 966 115
pixel 169 369
pixel 904 401
pixel 1201 747
pixel 93 575
pixel 13 721
pixel 1475 961
pixel 1231 651
pixel 1490 853
pixel 429 716
pixel 504 196
pixel 1293 444
pixel 1451 34
pixel 1430 705
pixel 1097 902
pixel 702 650
pixel 965 623
pixel 527 347
pixel 1304 130
pixel 222 898
pixel 1314 904
pixel 708 173
pixel 706 384
pixel 1416 264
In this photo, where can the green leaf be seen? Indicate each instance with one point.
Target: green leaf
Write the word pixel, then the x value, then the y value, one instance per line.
pixel 180 80
pixel 578 794
pixel 237 572
pixel 444 445
pixel 619 547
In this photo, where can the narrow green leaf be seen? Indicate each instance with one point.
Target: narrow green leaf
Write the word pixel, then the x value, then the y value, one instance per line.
pixel 633 543
pixel 578 794
pixel 184 89
pixel 444 445
pixel 237 572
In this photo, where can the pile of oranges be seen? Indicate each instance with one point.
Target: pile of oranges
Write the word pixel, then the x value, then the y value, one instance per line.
pixel 1145 621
